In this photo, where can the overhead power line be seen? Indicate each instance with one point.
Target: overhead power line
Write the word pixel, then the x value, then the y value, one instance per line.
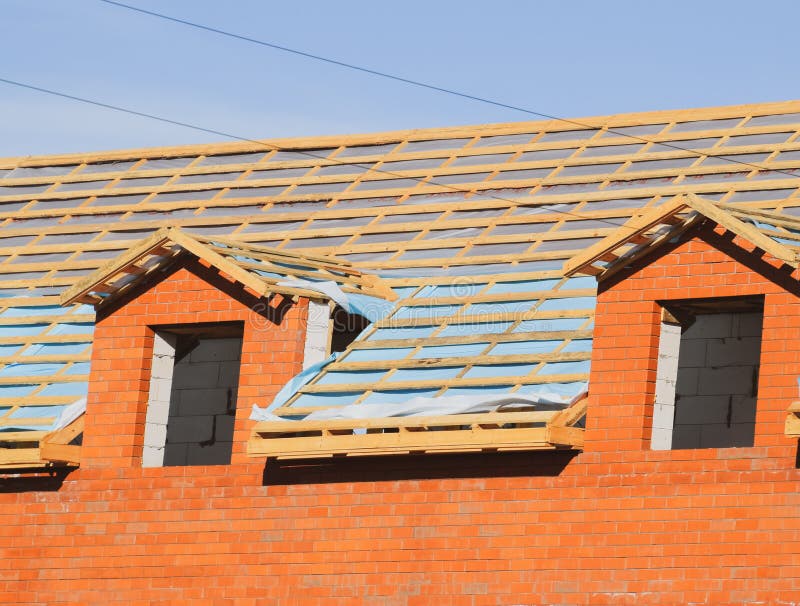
pixel 410 81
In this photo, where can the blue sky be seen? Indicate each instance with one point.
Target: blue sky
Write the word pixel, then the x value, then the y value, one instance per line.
pixel 569 58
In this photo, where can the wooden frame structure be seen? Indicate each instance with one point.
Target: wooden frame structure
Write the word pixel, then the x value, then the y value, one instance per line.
pixel 792 428
pixel 54 449
pixel 774 233
pixel 260 269
pixel 483 432
pixel 488 205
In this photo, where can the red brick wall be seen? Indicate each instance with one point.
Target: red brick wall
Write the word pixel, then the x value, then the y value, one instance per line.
pixel 272 353
pixel 617 524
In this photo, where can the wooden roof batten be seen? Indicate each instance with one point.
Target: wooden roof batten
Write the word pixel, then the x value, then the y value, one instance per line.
pixel 238 260
pixel 644 233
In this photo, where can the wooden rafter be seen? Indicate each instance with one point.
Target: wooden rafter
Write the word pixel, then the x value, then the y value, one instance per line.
pixel 228 257
pixel 643 234
pixel 476 201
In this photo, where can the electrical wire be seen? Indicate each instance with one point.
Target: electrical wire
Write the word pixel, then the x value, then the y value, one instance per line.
pixel 409 81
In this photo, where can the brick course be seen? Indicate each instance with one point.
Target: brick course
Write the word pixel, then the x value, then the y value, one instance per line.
pixel 616 524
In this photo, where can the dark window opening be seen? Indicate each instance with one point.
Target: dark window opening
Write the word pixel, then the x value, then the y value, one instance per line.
pixel 345 327
pixel 198 367
pixel 708 373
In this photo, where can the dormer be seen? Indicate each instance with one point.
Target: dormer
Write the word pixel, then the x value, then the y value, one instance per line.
pixel 191 332
pixel 697 325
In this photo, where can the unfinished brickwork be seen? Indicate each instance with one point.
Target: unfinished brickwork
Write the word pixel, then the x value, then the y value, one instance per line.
pixel 617 524
pixel 122 356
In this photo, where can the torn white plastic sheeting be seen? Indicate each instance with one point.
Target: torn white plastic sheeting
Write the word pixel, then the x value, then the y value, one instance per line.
pixel 372 308
pixel 70 413
pixel 430 407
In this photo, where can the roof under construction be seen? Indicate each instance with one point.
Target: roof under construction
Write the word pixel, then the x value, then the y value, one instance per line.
pixel 469 227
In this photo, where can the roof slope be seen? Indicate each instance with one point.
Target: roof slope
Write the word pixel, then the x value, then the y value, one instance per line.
pixel 469 225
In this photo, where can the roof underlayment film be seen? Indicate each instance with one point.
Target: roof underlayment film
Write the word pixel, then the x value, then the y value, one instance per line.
pixel 469 225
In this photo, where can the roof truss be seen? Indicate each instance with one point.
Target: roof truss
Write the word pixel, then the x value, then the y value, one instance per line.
pixel 260 269
pixel 774 233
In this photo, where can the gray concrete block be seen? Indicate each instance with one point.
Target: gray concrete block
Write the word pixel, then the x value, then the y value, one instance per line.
pixel 153 456
pixel 229 374
pixel 710 326
pixel 734 351
pixel 175 454
pixel 160 389
pixel 748 325
pixel 217 350
pixel 722 436
pixel 155 435
pixel 201 402
pixel 189 430
pixel 162 367
pixel 195 376
pixel 686 436
pixel 744 410
pixel 687 382
pixel 225 427
pixel 724 381
pixel 696 410
pixel 693 353
pixel 216 454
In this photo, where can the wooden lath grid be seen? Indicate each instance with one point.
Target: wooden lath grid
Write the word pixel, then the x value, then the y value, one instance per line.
pixel 61 207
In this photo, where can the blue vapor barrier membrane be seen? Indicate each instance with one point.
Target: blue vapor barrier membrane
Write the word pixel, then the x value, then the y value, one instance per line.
pixel 524 347
pixel 338 377
pixel 505 307
pixel 524 286
pixel 566 368
pixel 499 370
pixel 578 345
pixel 33 412
pixel 475 328
pixel 567 391
pixel 8 350
pixel 16 391
pixel 484 391
pixel 395 397
pixel 317 400
pixel 580 282
pixel 39 310
pixel 78 368
pixel 403 292
pixel 69 328
pixel 465 289
pixel 54 349
pixel 367 355
pixel 568 303
pixel 426 311
pixel 36 412
pixel 30 370
pixel 296 382
pixel 267 274
pixel 65 389
pixel 23 330
pixel 403 332
pixel 425 374
pixel 450 351
pixel 372 308
pixel 550 325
